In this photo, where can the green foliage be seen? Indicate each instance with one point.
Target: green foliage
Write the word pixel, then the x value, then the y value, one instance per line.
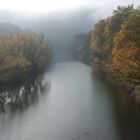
pixel 123 12
pixel 129 32
pixel 114 24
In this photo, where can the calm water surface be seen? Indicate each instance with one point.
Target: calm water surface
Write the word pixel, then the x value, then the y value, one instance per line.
pixel 77 106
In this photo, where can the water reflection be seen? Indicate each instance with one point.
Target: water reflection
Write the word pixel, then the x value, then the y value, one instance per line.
pixel 126 111
pixel 19 97
pixel 128 116
pixel 76 107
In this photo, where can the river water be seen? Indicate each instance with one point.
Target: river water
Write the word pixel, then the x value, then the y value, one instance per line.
pixel 77 106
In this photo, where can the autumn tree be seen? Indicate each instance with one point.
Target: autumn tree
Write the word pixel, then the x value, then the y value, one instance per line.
pixel 115 22
pixel 130 32
pixel 116 44
pixel 22 54
pixel 125 63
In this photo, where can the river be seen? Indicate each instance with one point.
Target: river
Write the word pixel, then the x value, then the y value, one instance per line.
pixel 77 106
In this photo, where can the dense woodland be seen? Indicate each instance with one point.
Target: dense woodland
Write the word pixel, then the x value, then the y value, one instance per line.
pixel 115 47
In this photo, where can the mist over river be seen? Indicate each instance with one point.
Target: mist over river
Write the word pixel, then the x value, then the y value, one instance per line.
pixel 76 106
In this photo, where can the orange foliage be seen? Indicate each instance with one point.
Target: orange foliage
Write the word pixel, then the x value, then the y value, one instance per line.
pixel 125 64
pixel 22 52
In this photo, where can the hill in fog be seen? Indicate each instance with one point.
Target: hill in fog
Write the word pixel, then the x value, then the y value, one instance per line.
pixel 8 27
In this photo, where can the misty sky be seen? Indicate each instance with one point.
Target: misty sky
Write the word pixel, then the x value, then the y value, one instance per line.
pixel 48 6
pixel 56 17
pixel 58 20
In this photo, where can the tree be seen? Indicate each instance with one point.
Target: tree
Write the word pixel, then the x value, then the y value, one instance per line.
pixel 22 53
pixel 125 64
pixel 130 32
pixel 115 22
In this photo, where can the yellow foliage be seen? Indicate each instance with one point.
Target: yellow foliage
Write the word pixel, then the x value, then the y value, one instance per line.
pixel 129 33
pixel 125 63
pixel 22 51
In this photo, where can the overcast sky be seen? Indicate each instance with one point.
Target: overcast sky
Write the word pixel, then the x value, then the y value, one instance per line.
pixel 49 6
pixel 59 20
pixel 25 13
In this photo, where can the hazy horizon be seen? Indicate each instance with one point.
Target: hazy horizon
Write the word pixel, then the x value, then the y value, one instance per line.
pixel 59 20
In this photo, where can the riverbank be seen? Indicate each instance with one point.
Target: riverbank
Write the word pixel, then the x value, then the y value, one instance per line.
pixel 102 73
pixel 115 48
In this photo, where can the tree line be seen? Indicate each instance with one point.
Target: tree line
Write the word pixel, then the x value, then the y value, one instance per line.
pixel 115 46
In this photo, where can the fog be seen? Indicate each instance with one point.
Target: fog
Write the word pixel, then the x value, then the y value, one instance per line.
pixel 54 86
pixel 45 6
pixel 58 20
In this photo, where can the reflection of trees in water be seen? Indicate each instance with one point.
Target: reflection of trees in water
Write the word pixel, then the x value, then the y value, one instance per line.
pixel 20 97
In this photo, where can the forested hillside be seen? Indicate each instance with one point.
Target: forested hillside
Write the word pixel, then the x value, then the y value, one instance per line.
pixel 115 46
pixel 8 27
pixel 80 48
